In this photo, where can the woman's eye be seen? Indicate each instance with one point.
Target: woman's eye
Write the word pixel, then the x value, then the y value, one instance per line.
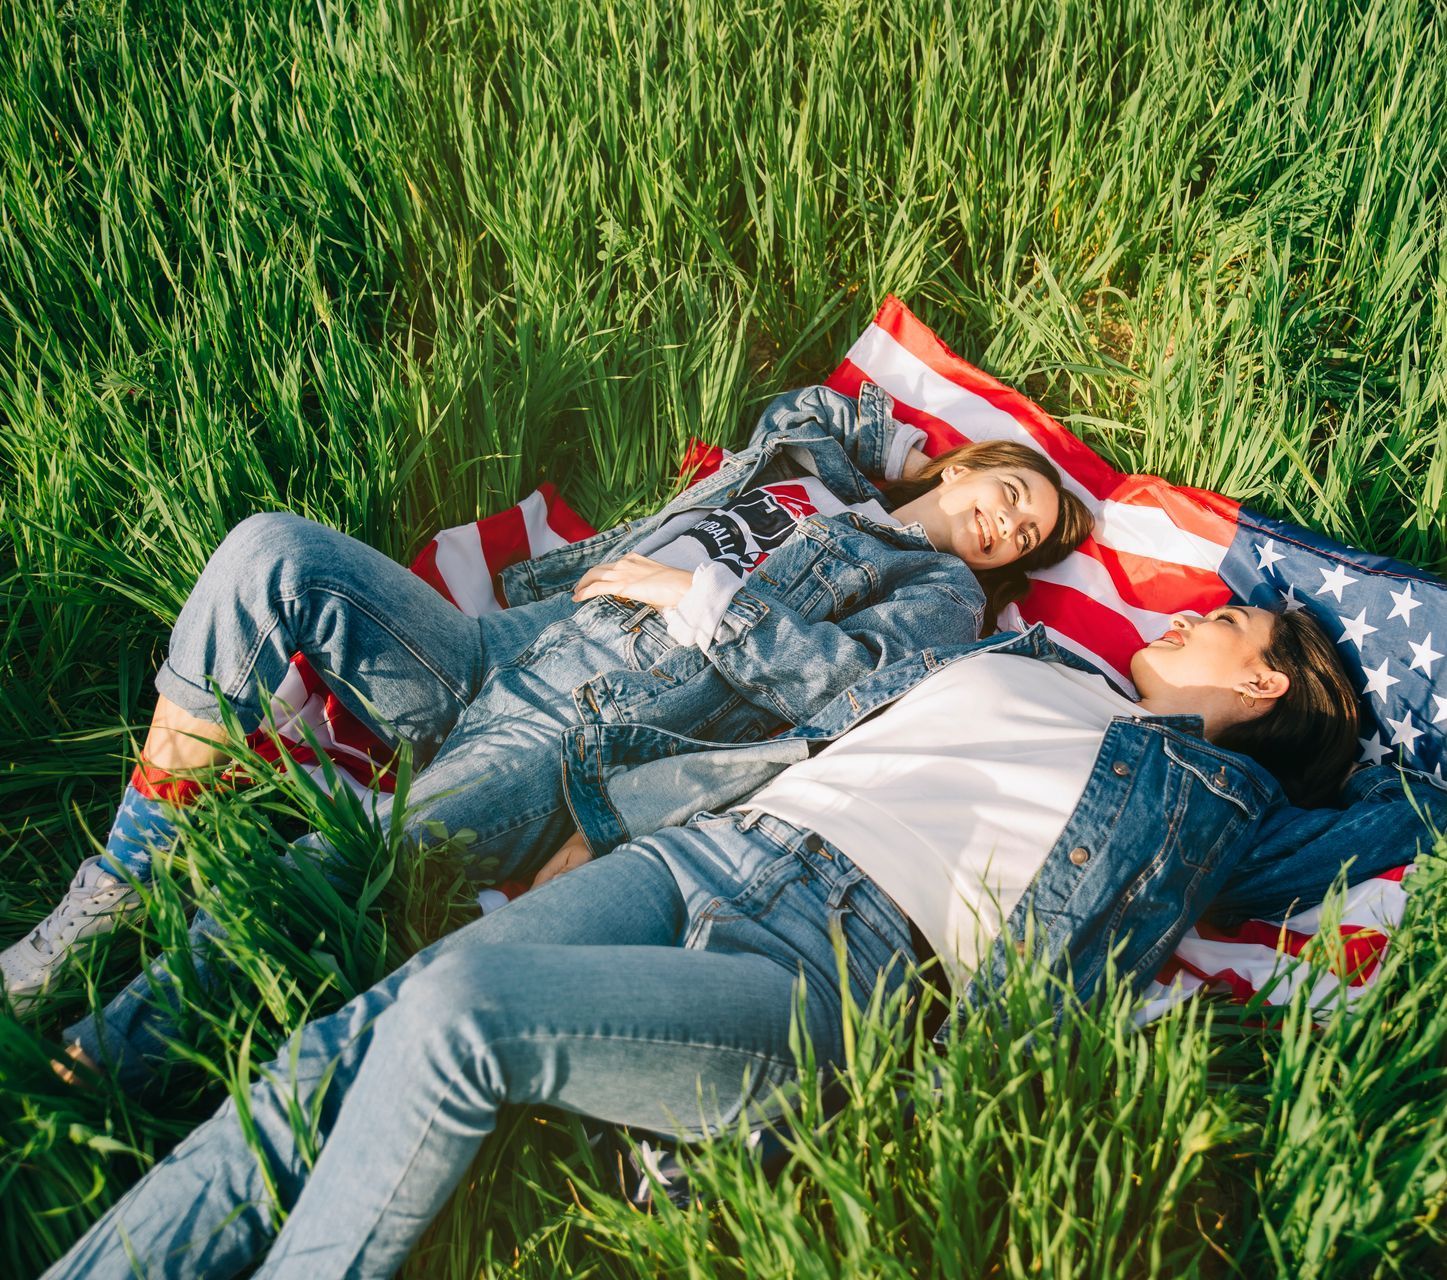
pixel 1012 491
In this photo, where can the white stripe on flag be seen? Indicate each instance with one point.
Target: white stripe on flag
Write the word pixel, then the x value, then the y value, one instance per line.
pixel 1372 904
pixel 461 565
pixel 541 535
pixel 1086 574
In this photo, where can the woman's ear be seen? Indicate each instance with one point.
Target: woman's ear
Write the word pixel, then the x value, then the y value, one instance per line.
pixel 1266 685
pixel 953 471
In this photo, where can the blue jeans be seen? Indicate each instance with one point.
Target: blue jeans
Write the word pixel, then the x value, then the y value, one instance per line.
pixel 653 987
pixel 481 701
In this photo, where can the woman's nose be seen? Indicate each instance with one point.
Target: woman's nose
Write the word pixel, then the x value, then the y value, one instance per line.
pixel 1183 622
pixel 1008 520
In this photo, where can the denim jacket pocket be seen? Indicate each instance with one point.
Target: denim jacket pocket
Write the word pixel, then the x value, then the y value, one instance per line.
pixel 848 585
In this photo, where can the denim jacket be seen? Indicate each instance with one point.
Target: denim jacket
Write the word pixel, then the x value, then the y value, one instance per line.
pixel 1167 823
pixel 843 597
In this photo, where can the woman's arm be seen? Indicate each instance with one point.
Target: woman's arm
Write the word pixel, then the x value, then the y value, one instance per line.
pixel 1389 816
pixel 779 658
pixel 866 429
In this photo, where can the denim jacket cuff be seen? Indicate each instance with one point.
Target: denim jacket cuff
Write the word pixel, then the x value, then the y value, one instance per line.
pixel 905 439
pixel 745 611
pixel 695 619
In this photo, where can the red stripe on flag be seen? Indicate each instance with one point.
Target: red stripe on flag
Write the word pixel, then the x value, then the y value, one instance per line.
pixel 701 460
pixel 504 538
pixel 1158 584
pixel 562 519
pixel 1084 619
pixel 1362 947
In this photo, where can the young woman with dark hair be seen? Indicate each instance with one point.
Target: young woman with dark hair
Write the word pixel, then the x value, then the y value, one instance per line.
pixel 991 800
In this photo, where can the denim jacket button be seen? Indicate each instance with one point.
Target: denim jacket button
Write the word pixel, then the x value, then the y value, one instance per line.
pixel 1079 856
pixel 1120 769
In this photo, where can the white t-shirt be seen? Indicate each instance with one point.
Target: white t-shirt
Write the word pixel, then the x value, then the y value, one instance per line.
pixel 722 546
pixel 951 798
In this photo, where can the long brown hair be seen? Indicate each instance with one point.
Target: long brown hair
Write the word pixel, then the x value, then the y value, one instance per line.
pixel 1009 582
pixel 1309 737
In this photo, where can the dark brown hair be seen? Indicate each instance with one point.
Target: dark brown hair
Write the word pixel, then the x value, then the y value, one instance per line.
pixel 1009 582
pixel 1309 737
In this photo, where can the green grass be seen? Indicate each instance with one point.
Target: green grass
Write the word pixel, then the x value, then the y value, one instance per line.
pixel 390 264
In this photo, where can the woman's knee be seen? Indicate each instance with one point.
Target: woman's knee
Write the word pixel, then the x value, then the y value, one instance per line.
pixel 274 538
pixel 477 989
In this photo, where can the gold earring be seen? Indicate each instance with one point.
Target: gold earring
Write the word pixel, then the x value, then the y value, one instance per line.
pixel 1247 700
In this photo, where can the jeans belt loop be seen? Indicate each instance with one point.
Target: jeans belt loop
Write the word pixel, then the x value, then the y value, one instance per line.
pixel 635 619
pixel 750 820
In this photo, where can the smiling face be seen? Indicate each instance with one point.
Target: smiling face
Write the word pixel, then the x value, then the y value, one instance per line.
pixel 992 517
pixel 1211 666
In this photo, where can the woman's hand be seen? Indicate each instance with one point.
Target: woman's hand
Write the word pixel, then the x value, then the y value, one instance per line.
pixel 574 853
pixel 635 578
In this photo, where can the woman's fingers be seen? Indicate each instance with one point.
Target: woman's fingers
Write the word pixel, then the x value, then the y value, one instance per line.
pixel 587 585
pixel 574 853
pixel 634 577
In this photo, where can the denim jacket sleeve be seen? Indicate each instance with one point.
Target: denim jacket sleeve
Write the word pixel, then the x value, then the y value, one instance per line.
pixel 778 657
pixel 1388 816
pixel 865 429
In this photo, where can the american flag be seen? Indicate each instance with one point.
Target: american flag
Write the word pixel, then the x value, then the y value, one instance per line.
pixel 1157 549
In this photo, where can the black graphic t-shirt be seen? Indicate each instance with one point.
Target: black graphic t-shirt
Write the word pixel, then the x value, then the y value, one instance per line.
pixel 743 533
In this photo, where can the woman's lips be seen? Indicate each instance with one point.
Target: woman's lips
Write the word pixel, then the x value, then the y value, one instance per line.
pixel 1173 637
pixel 986 542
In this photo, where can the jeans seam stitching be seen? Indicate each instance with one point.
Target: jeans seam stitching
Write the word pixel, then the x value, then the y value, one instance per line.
pixel 361 606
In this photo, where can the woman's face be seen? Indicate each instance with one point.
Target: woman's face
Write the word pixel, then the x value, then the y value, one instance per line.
pixel 1207 664
pixel 992 517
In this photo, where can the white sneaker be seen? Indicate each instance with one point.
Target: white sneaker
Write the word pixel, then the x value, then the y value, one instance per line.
pixel 94 904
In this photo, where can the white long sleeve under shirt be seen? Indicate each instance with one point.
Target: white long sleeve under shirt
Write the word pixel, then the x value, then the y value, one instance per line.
pixel 951 798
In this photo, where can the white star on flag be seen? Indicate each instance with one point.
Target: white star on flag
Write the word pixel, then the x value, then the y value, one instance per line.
pixel 1439 711
pixel 1405 733
pixel 1334 582
pixel 1436 778
pixel 1292 603
pixel 1404 605
pixel 1267 555
pixel 1356 629
pixel 1378 681
pixel 1423 655
pixel 1374 750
